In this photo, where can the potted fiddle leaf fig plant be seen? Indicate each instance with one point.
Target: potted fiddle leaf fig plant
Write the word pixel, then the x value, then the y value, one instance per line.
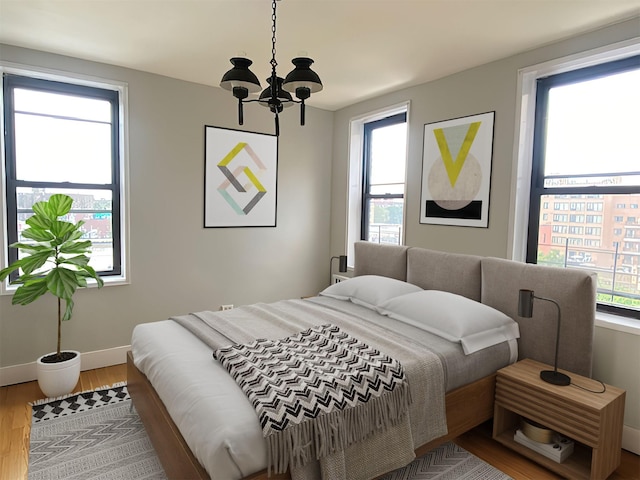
pixel 54 259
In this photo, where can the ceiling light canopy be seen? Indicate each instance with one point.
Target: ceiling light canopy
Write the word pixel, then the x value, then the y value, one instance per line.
pixel 301 81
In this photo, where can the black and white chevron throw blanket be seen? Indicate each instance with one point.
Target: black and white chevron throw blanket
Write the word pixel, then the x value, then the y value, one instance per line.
pixel 317 392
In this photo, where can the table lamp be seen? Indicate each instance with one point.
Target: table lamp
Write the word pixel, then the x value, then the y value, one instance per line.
pixel 525 309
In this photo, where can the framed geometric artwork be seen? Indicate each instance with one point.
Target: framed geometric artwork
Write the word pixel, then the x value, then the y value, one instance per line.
pixel 456 171
pixel 240 178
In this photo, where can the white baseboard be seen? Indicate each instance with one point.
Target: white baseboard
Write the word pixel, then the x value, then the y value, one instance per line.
pixel 631 439
pixel 26 372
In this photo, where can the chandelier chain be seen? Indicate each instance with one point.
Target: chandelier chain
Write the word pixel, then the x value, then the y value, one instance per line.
pixel 273 37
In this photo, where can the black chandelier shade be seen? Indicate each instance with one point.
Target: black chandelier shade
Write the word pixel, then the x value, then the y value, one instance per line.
pixel 240 76
pixel 302 81
pixel 302 77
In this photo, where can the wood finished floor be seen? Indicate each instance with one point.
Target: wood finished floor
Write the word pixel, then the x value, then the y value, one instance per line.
pixel 15 425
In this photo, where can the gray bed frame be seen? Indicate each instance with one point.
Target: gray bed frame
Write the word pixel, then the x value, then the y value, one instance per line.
pixel 492 281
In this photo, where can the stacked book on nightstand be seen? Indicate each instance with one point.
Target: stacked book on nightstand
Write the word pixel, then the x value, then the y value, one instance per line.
pixel 544 441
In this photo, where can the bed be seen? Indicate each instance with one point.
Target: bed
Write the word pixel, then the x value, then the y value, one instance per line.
pixel 184 447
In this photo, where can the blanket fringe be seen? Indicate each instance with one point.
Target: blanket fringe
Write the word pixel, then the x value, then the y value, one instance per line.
pixel 334 431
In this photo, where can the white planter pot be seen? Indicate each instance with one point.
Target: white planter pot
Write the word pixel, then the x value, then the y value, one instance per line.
pixel 57 379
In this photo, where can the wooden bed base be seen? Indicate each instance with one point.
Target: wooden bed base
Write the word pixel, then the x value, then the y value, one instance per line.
pixel 467 407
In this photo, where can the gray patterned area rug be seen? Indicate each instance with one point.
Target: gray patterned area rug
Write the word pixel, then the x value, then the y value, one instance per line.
pixel 91 435
pixel 95 435
pixel 447 462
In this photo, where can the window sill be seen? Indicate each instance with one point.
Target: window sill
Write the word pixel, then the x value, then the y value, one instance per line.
pixel 618 323
pixel 108 282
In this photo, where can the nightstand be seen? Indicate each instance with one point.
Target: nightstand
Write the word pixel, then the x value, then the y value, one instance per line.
pixel 593 421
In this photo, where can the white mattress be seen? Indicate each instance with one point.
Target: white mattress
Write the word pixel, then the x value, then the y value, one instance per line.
pixel 218 423
pixel 213 414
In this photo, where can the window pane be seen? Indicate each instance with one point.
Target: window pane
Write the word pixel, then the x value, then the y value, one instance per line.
pixel 385 220
pixel 70 106
pixel 388 154
pixel 599 233
pixel 92 206
pixel 62 150
pixel 592 128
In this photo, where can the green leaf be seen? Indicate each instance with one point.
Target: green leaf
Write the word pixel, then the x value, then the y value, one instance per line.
pixel 59 205
pixel 38 234
pixel 77 260
pixel 31 247
pixel 39 221
pixel 26 277
pixel 5 272
pixel 88 271
pixel 69 310
pixel 76 247
pixel 42 212
pixel 29 291
pixel 74 236
pixel 61 228
pixel 34 261
pixel 62 283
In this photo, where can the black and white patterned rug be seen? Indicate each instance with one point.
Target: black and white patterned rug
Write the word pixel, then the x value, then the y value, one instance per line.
pixel 91 435
pixel 95 435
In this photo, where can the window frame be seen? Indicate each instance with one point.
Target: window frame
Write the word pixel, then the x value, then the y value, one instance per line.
pixel 367 196
pixel 64 82
pixel 544 83
pixel 354 178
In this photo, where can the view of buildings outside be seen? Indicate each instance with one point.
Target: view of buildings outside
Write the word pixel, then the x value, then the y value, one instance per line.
pixel 600 233
pixel 92 207
pixel 385 220
pixel 589 199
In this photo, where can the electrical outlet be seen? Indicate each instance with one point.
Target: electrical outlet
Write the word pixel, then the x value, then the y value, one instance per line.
pixel 226 307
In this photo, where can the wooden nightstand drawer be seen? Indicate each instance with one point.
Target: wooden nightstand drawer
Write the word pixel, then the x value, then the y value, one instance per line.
pixel 555 413
pixel 594 420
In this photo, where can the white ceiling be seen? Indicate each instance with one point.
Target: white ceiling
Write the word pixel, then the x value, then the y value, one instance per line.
pixel 361 48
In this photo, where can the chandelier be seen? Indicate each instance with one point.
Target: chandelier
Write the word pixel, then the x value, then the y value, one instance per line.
pixel 301 81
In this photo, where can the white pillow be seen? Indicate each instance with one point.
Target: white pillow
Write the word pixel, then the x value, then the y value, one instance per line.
pixel 453 317
pixel 369 290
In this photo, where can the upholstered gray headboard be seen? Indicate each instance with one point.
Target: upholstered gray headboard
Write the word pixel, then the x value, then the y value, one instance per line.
pixel 496 282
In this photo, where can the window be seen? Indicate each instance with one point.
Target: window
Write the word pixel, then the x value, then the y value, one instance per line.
pixel 63 137
pixel 585 124
pixel 385 151
pixel 356 180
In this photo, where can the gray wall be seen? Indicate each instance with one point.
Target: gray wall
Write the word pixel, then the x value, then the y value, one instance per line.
pixel 177 266
pixel 490 87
